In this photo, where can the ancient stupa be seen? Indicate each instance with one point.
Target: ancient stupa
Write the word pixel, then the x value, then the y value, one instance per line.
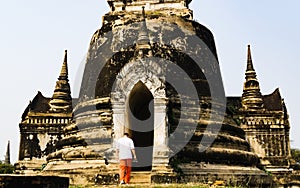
pixel 153 71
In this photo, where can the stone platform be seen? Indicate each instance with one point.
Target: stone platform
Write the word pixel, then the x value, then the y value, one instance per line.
pixel 96 172
pixel 235 176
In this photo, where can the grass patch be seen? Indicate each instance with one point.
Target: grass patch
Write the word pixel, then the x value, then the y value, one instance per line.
pixel 149 186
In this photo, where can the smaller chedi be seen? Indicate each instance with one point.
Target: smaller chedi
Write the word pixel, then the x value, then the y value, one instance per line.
pixel 154 72
pixel 7 155
pixel 265 120
pixel 43 122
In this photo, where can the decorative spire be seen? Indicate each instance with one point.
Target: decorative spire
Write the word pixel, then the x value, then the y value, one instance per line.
pixel 7 156
pixel 252 98
pixel 143 41
pixel 61 100
pixel 143 38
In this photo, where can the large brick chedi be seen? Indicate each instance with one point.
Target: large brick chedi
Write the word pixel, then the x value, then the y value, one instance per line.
pixel 152 71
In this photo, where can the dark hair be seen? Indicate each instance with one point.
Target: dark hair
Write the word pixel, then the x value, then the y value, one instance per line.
pixel 127 134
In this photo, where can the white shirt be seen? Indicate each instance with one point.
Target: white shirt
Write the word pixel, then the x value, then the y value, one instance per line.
pixel 125 145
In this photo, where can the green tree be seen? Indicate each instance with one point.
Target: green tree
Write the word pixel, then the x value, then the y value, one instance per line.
pixel 295 154
pixel 6 168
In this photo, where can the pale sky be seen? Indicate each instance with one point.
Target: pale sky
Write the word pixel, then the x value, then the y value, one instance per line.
pixel 34 35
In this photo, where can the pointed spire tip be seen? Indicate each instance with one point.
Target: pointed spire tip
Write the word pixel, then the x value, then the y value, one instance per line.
pixel 143 13
pixel 249 60
pixel 249 53
pixel 66 56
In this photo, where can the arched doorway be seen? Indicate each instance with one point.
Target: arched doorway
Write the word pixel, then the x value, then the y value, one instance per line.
pixel 140 121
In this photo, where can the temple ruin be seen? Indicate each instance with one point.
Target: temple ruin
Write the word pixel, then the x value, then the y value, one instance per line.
pixel 153 71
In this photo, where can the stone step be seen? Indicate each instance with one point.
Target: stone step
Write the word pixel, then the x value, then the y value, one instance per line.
pixel 142 177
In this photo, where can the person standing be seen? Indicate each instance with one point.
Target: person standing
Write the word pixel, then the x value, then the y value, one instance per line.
pixel 125 151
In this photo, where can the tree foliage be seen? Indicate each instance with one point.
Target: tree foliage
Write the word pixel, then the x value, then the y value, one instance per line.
pixel 295 154
pixel 6 168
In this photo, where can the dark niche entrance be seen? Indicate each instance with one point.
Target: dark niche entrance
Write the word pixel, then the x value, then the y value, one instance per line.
pixel 140 118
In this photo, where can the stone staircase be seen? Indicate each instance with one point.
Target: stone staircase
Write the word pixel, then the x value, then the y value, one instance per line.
pixel 140 177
